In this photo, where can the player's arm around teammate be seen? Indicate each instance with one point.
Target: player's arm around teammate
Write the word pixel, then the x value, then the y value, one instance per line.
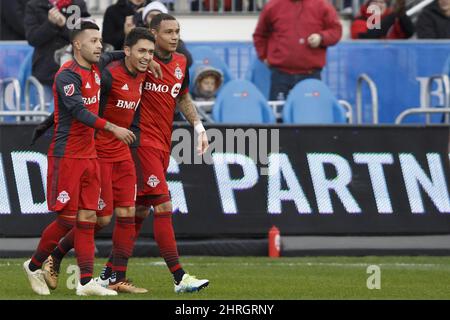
pixel 153 126
pixel 73 174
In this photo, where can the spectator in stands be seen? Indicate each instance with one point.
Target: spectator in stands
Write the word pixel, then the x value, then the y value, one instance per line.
pixel 292 37
pixel 11 19
pixel 434 21
pixel 118 21
pixel 151 10
pixel 394 23
pixel 46 30
pixel 207 81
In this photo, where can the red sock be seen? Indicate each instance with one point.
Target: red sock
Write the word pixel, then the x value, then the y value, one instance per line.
pixel 85 249
pixel 67 244
pixel 138 221
pixel 165 238
pixel 50 238
pixel 123 244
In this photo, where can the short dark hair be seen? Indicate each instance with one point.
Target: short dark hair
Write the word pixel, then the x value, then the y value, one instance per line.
pixel 156 21
pixel 137 34
pixel 80 27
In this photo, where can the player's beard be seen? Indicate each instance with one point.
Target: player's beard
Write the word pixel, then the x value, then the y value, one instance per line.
pixel 92 58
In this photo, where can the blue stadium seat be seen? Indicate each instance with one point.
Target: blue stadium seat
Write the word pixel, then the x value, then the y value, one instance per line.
pixel 259 74
pixel 203 55
pixel 312 102
pixel 240 101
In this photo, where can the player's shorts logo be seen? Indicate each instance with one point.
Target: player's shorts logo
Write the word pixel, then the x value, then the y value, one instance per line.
pixel 101 204
pixel 69 90
pixel 63 197
pixel 153 181
pixel 178 73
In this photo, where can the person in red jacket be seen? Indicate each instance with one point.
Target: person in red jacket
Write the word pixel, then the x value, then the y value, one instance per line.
pixel 292 37
pixel 394 23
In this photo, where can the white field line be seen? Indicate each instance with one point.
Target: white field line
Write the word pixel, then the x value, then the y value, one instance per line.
pixel 283 264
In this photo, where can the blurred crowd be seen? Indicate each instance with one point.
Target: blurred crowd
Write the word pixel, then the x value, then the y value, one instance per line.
pixel 280 45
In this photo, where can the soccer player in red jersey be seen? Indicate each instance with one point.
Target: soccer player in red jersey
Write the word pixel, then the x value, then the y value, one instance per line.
pixel 73 180
pixel 120 96
pixel 152 125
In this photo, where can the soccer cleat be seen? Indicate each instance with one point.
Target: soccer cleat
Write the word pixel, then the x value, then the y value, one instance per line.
pixel 190 284
pixel 103 283
pixel 126 286
pixel 50 273
pixel 36 279
pixel 92 288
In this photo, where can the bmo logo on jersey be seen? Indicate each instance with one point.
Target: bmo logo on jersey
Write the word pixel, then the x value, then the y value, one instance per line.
pixel 164 88
pixel 91 100
pixel 127 104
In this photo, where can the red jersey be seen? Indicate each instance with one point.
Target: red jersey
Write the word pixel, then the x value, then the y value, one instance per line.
pixel 153 121
pixel 120 96
pixel 76 92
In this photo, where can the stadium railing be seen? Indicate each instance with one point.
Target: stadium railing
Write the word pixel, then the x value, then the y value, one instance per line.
pixel 429 109
pixel 374 96
pixel 10 104
pixel 275 106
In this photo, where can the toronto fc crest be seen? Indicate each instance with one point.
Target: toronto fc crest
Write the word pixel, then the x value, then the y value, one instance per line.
pixel 178 73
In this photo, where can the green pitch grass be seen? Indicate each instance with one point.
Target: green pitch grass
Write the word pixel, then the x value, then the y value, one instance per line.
pixel 263 278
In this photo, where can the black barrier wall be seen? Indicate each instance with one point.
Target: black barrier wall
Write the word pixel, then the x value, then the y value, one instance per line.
pixel 305 180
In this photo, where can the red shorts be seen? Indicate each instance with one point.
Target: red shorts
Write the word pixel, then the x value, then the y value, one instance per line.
pixel 72 184
pixel 118 181
pixel 151 167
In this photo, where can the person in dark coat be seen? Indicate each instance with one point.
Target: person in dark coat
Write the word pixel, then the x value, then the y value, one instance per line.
pixel 46 30
pixel 11 19
pixel 394 24
pixel 118 21
pixel 434 21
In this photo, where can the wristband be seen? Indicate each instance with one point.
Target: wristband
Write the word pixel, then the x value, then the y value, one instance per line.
pixel 199 128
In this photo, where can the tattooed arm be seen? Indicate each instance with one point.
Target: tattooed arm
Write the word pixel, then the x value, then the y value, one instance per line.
pixel 189 111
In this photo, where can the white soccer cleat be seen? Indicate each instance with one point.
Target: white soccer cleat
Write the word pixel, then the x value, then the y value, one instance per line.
pixel 190 284
pixel 36 279
pixel 92 288
pixel 103 283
